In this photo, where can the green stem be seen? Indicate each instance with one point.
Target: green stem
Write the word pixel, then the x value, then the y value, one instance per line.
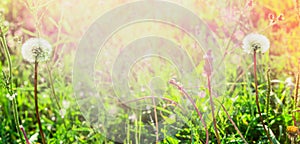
pixel 268 97
pixel 52 87
pixel 156 121
pixel 257 102
pixel 53 92
pixel 10 90
pixel 233 123
pixel 296 100
pixel 36 102
pixel 180 88
pixel 213 109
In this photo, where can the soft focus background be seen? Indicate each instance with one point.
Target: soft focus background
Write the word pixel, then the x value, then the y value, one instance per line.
pixel 63 23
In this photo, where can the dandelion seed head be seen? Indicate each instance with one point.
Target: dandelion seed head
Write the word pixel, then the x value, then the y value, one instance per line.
pixel 256 42
pixel 36 49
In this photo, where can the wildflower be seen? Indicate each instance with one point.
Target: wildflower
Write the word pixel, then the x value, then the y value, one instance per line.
pixel 62 113
pixel 4 27
pixel 202 94
pixel 132 117
pixel 289 82
pixel 292 130
pixel 2 11
pixel 208 63
pixel 6 24
pixel 11 97
pixel 271 16
pixel 280 17
pixel 250 3
pixel 66 104
pixel 36 49
pixel 256 42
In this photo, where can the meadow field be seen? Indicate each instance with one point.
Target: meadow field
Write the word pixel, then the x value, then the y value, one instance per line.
pixel 149 71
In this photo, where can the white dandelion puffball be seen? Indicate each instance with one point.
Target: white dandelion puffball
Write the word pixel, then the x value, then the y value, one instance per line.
pixel 256 42
pixel 36 49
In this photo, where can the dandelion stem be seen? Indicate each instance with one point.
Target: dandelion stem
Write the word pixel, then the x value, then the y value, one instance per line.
pixel 213 109
pixel 181 89
pixel 36 102
pixel 256 94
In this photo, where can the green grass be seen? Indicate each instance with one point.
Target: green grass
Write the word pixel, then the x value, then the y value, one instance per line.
pixel 73 128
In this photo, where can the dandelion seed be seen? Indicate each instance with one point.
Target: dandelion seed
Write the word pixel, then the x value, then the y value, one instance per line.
pixel 256 42
pixel 36 49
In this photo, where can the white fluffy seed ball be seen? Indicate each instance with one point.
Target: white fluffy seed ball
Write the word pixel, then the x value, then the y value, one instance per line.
pixel 36 49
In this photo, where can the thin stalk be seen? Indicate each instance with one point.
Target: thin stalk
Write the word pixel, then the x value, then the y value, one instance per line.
pixel 36 102
pixel 180 88
pixel 25 135
pixel 256 94
pixel 52 87
pixel 213 109
pixel 233 123
pixel 268 97
pixel 48 68
pixel 10 90
pixel 150 97
pixel 296 100
pixel 140 128
pixel 54 93
pixel 228 44
pixel 156 120
pixel 237 24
